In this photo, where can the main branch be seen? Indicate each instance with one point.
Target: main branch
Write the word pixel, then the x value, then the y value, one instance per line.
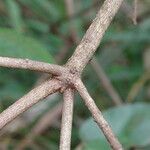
pixel 40 92
pixel 91 40
pixel 97 115
pixel 31 65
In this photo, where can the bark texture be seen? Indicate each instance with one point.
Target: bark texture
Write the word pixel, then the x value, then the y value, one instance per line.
pixel 98 117
pixel 31 65
pixel 35 95
pixel 67 115
pixel 66 78
pixel 91 40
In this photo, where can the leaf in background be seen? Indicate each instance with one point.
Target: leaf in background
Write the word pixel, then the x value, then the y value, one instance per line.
pixel 14 13
pixel 37 25
pixel 43 8
pixel 113 53
pixel 96 145
pixel 130 123
pixel 120 73
pixel 128 36
pixel 49 7
pixel 54 42
pixel 15 83
pixel 11 90
pixel 145 25
pixel 138 34
pixel 13 44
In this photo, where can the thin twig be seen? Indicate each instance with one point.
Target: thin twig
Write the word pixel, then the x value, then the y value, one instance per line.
pixel 43 123
pixel 137 86
pixel 69 7
pixel 67 115
pixel 63 52
pixel 48 119
pixel 135 3
pixel 70 12
pixel 31 65
pixel 40 92
pixel 97 115
pixel 106 82
pixel 127 9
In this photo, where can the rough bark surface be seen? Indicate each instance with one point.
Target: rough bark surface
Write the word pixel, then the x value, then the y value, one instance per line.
pixel 98 117
pixel 31 65
pixel 91 40
pixel 67 78
pixel 40 92
pixel 67 115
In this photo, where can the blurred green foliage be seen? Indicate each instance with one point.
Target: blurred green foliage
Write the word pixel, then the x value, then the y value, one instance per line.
pixel 39 29
pixel 14 44
pixel 129 122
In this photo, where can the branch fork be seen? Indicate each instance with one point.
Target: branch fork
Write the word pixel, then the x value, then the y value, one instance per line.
pixel 66 78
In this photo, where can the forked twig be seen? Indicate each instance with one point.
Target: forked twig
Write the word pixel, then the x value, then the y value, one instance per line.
pixel 95 65
pixel 68 78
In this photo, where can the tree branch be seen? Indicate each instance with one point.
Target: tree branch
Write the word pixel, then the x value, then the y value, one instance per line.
pixel 97 68
pixel 106 82
pixel 91 40
pixel 40 92
pixel 97 115
pixel 67 115
pixel 78 61
pixel 31 65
